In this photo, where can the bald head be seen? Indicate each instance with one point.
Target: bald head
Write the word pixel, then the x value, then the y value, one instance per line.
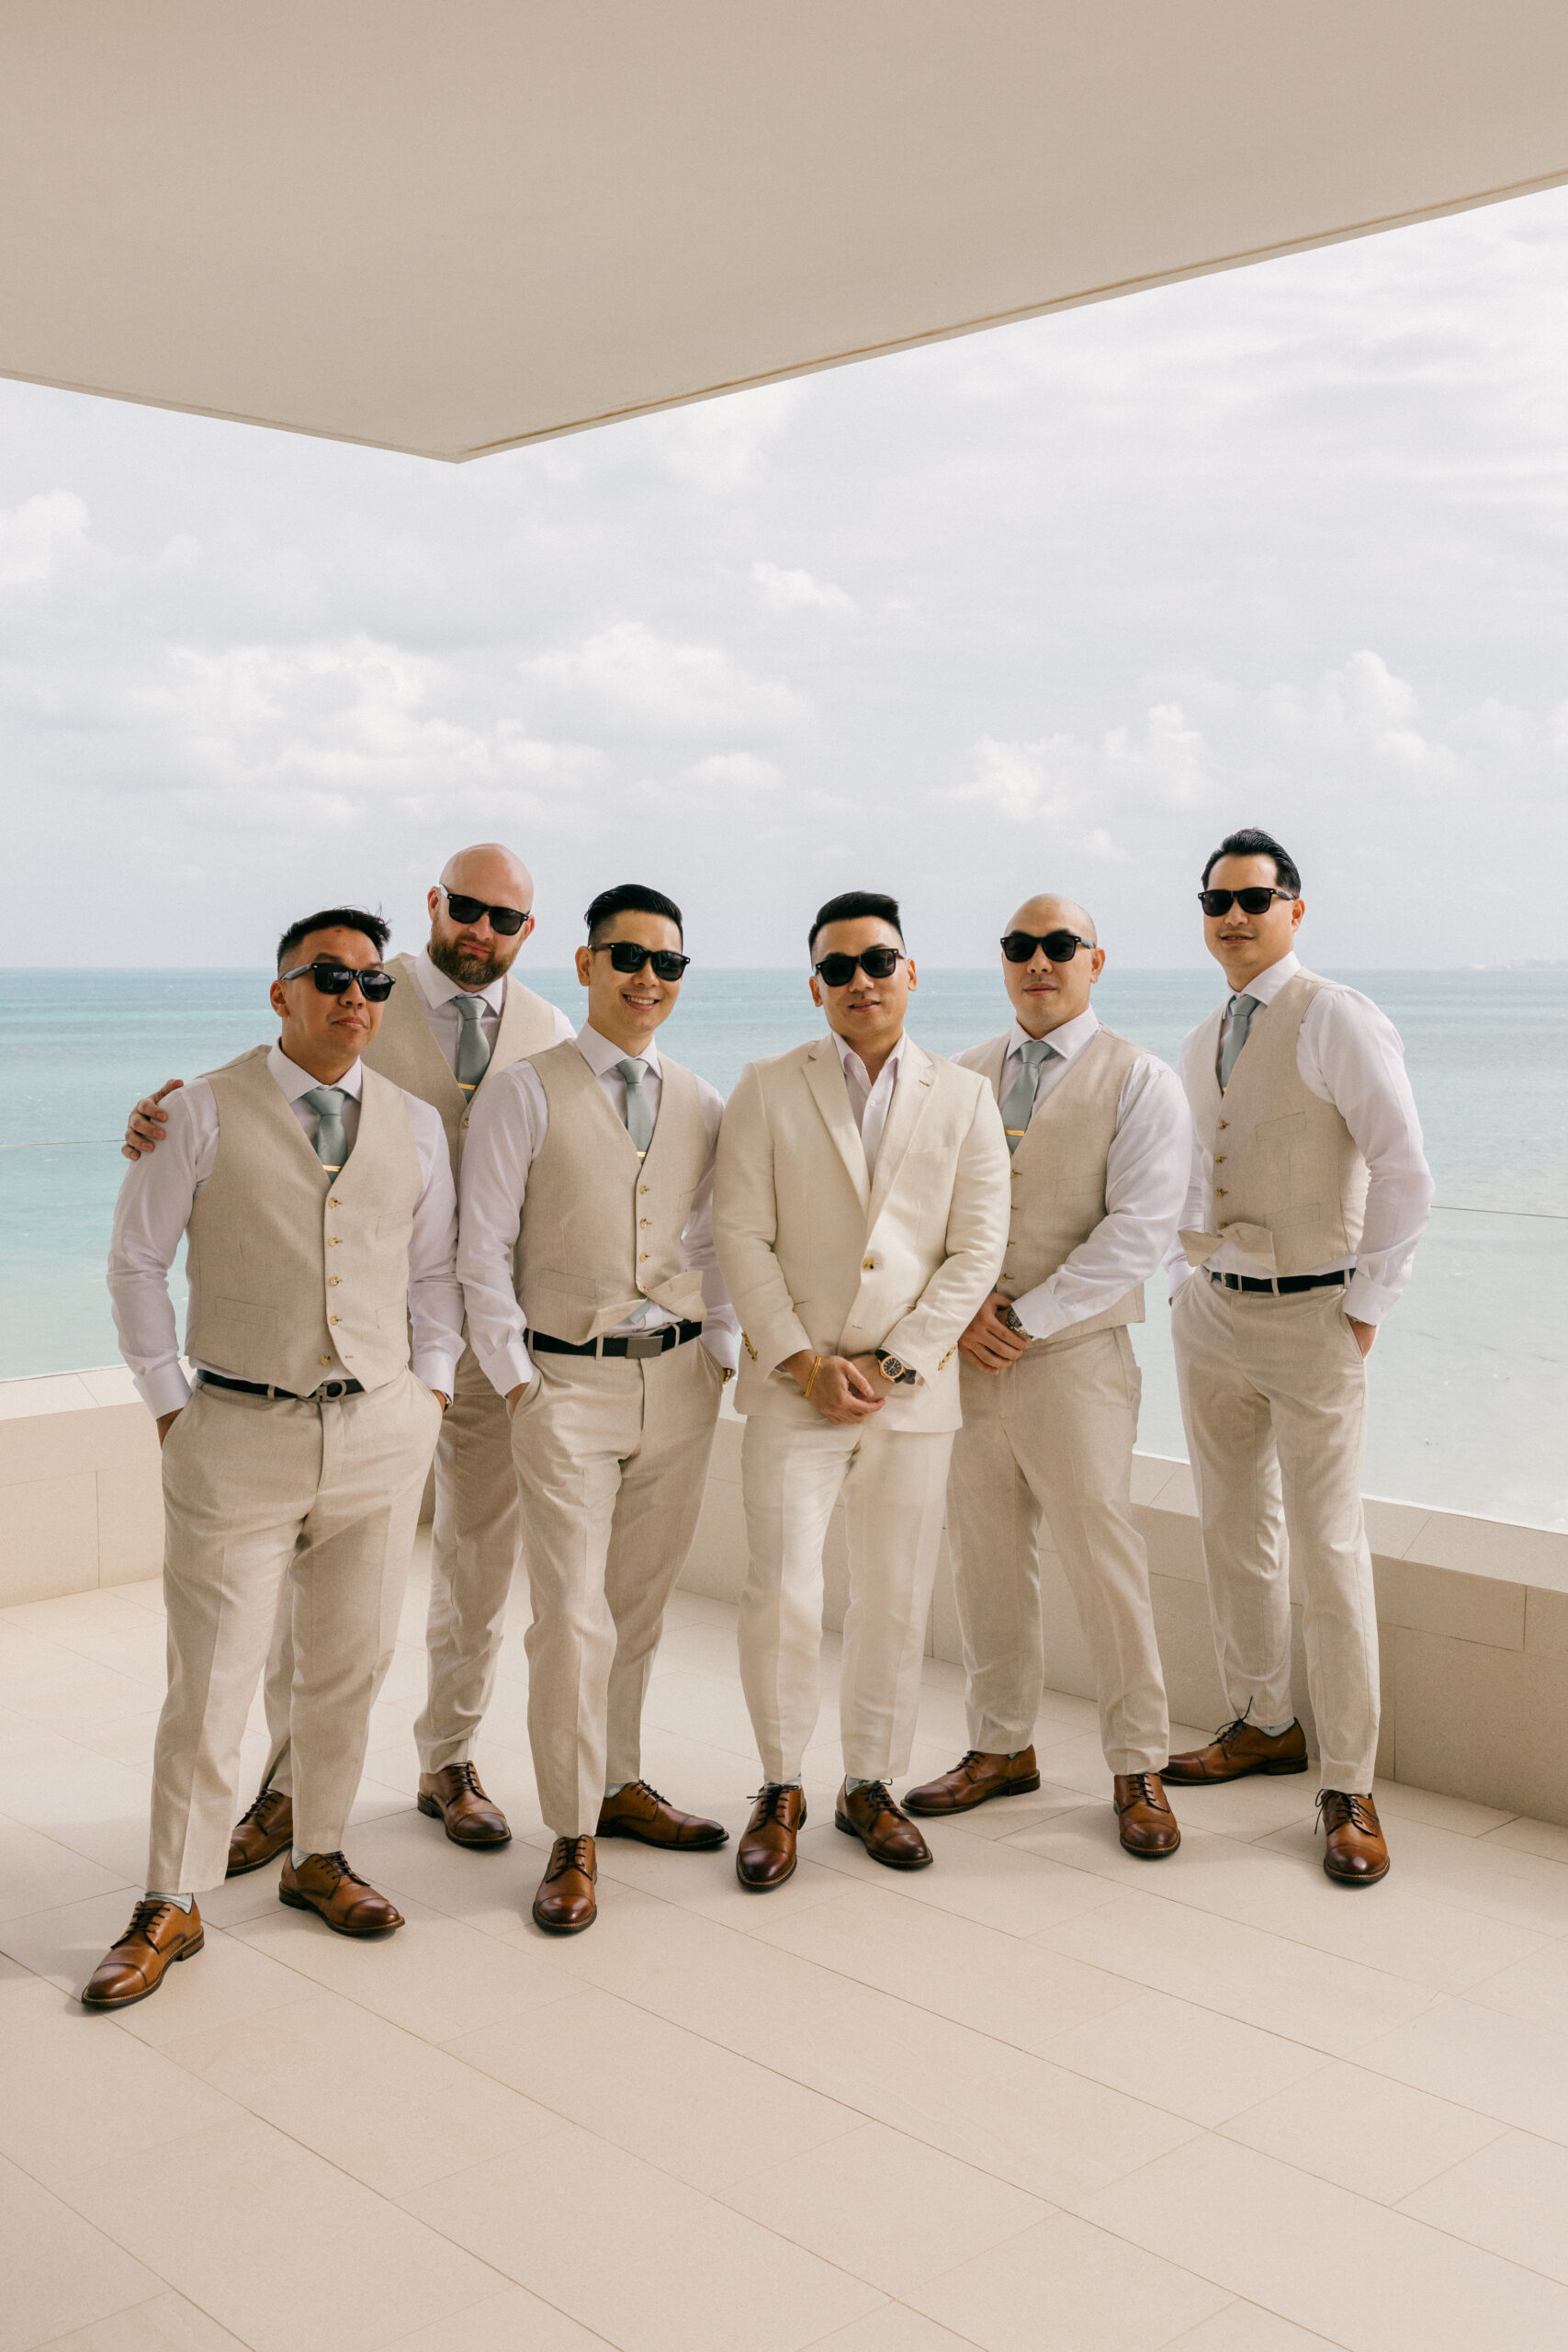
pixel 474 952
pixel 1049 913
pixel 1049 988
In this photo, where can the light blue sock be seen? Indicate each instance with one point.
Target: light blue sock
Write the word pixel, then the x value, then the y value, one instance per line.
pixel 180 1902
pixel 297 1857
pixel 784 1784
pixel 613 1787
pixel 852 1784
pixel 1275 1731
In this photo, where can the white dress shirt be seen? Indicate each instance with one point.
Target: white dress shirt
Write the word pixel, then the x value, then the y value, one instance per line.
pixel 507 1129
pixel 1145 1182
pixel 869 1105
pixel 154 1206
pixel 1350 1053
pixel 440 995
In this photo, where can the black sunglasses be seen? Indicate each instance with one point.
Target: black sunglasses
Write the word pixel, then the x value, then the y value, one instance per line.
pixel 876 962
pixel 1253 901
pixel 507 920
pixel 1057 946
pixel 336 979
pixel 627 956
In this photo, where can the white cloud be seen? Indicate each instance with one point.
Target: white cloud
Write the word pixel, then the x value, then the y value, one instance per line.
pixel 41 535
pixel 789 592
pixel 627 680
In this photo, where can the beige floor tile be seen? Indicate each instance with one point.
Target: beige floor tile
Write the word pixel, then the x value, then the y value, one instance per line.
pixel 642 2259
pixel 1498 2064
pixel 1189 2060
pixel 1249 1808
pixel 79 1799
pixel 1086 1840
pixel 381 2104
pixel 1510 2196
pixel 434 1977
pixel 223 1982
pixel 1065 2286
pixel 1267 1981
pixel 1013 1990
pixel 707 1884
pixel 1542 1837
pixel 884 2207
pixel 1005 1817
pixel 987 1881
pixel 682 2103
pixel 407 1853
pixel 1363 2131
pixel 514 2321
pixel 78 2093
pixel 1247 2327
pixel 1366 2277
pixel 167 2324
pixel 893 2328
pixel 332 2266
pixel 1534 1989
pixel 60 2273
pixel 1401 1803
pixel 1477 1875
pixel 38 1873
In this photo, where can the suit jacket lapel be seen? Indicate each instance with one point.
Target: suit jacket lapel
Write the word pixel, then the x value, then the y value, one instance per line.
pixel 913 1092
pixel 825 1076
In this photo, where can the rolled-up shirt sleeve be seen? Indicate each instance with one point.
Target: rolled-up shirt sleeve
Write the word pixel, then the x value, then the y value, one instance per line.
pixel 721 1325
pixel 150 1215
pixel 1350 1055
pixel 506 1127
pixel 436 1302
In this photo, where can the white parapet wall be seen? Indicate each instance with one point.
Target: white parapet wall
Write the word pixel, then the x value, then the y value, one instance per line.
pixel 1472 1612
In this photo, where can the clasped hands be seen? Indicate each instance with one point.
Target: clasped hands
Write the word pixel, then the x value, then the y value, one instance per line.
pixel 845 1389
pixel 990 1344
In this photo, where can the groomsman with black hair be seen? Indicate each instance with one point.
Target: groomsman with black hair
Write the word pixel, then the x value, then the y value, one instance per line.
pixel 315 1200
pixel 458 1018
pixel 1308 1193
pixel 598 1310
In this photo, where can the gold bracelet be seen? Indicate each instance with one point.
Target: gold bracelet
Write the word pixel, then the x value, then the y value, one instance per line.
pixel 811 1376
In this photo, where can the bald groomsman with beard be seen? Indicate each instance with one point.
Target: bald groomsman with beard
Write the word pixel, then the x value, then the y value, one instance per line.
pixel 1101 1145
pixel 456 1019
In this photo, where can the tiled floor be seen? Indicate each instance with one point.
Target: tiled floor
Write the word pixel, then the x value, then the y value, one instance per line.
pixel 1038 2098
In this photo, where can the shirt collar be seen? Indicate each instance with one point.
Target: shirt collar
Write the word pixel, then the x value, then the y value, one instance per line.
pixel 1068 1041
pixel 847 1055
pixel 1266 986
pixel 295 1081
pixel 438 989
pixel 600 1055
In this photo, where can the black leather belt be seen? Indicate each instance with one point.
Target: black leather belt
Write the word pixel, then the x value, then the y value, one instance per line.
pixel 624 1343
pixel 329 1389
pixel 1285 1285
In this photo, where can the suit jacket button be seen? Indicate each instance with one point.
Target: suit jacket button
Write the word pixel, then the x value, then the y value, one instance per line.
pixel 324 1358
pixel 868 1265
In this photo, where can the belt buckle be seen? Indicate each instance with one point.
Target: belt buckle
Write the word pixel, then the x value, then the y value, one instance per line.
pixel 333 1389
pixel 646 1343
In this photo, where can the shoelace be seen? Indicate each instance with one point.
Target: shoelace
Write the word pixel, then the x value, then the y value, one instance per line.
pixel 647 1789
pixel 970 1756
pixel 1144 1786
pixel 1337 1809
pixel 568 1854
pixel 1227 1732
pixel 337 1865
pixel 879 1797
pixel 143 1919
pixel 467 1779
pixel 770 1799
pixel 266 1798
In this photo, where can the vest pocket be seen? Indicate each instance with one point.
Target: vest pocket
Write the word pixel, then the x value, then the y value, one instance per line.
pixel 1275 1134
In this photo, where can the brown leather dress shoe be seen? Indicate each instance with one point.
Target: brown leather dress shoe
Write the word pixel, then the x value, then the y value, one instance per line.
pixel 565 1902
pixel 261 1834
pixel 1358 1853
pixel 974 1779
pixel 888 1835
pixel 455 1797
pixel 325 1885
pixel 1237 1750
pixel 1146 1822
pixel 765 1855
pixel 637 1811
pixel 159 1934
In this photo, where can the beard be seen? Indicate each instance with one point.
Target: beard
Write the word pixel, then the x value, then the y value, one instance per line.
pixel 470 967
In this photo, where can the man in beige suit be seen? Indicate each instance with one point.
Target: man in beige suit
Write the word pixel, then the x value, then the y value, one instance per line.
pixel 315 1200
pixel 1102 1145
pixel 598 1311
pixel 458 1018
pixel 860 1213
pixel 1308 1195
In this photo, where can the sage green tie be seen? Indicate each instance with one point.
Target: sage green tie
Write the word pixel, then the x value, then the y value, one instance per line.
pixel 639 1119
pixel 332 1143
pixel 1018 1104
pixel 473 1048
pixel 1240 1010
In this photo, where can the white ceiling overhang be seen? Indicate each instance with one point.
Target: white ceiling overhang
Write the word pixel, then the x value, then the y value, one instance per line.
pixel 449 229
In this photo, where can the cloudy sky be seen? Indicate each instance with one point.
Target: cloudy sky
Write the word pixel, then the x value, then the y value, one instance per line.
pixel 1053 606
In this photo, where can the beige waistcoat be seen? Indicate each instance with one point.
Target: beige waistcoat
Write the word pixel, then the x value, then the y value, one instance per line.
pixel 405 1049
pixel 602 1229
pixel 1282 1178
pixel 293 1272
pixel 1058 1170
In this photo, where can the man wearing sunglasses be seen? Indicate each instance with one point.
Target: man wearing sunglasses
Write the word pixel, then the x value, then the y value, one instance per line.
pixel 1309 1191
pixel 315 1200
pixel 598 1312
pixel 456 1017
pixel 860 1212
pixel 1101 1146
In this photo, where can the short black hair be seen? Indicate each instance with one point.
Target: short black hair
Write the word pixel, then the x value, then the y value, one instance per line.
pixel 376 929
pixel 631 897
pixel 1253 842
pixel 850 904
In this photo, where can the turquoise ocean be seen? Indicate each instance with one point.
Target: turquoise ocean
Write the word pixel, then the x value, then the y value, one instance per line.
pixel 1470 1376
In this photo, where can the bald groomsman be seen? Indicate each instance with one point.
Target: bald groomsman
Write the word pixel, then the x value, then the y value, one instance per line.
pixel 1101 1146
pixel 1309 1193
pixel 598 1311
pixel 458 1018
pixel 315 1201
pixel 861 1210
